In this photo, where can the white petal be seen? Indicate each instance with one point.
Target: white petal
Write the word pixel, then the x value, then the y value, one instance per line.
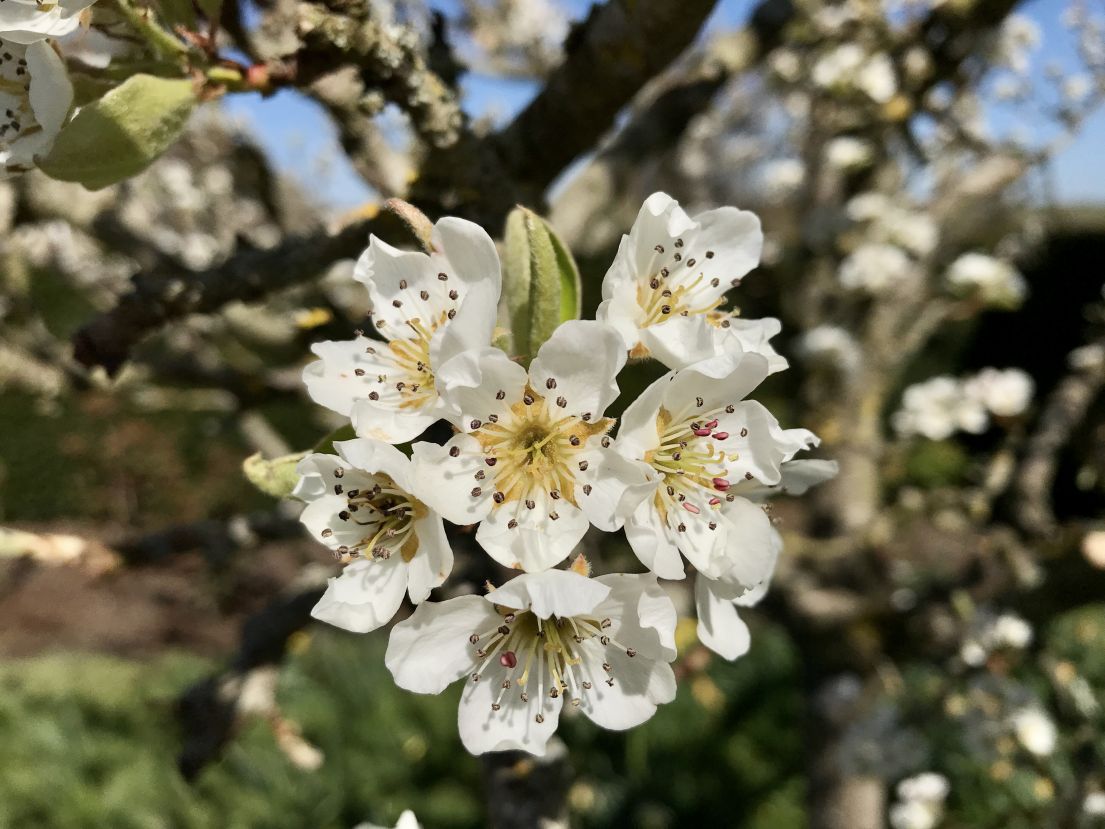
pixel 717 382
pixel 749 554
pixel 470 252
pixel 621 311
pixel 754 335
pixel 321 514
pixel 799 476
pixel 651 542
pixel 637 432
pixel 365 596
pixel 51 93
pixel 753 596
pixel 393 425
pixel 756 445
pixel 429 650
pixel 720 628
pixel 735 238
pixel 472 327
pixel 333 382
pixel 618 485
pixel 514 725
pixel 642 606
pixel 552 593
pixel 317 476
pixel 681 341
pixel 433 561
pixel 478 384
pixel 375 456
pixel 446 483
pixel 392 275
pixel 659 221
pixel 640 684
pixel 582 358
pixel 538 542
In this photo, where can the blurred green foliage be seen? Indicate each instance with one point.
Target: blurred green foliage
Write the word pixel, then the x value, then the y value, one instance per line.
pixel 86 744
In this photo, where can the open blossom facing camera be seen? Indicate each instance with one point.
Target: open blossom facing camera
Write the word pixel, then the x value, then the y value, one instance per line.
pixel 532 461
pixel 359 504
pixel 602 645
pixel 705 444
pixel 429 308
pixel 35 97
pixel 29 21
pixel 665 290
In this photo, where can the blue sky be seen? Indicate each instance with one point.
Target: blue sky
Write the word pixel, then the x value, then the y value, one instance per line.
pixel 298 135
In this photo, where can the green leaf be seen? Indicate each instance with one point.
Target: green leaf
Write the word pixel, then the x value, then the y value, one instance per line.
pixel 119 135
pixel 540 278
pixel 178 13
pixel 277 476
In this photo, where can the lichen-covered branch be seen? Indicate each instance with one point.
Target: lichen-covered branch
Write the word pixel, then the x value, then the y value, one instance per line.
pixel 390 59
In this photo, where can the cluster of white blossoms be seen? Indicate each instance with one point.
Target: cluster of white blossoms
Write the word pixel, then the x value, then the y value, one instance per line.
pixel 991 280
pixel 920 802
pixel 534 462
pixel 941 406
pixel 849 67
pixel 35 92
pixel 989 633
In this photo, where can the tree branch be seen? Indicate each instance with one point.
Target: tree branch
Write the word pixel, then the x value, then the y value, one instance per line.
pixel 174 292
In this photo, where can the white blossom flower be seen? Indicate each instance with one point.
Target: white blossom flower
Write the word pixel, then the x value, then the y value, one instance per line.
pixel 937 408
pixel 1034 730
pixel 30 21
pixel 35 97
pixel 1006 393
pixel 846 152
pixel 359 504
pixel 430 308
pixel 664 291
pixel 603 644
pixel 995 282
pixel 874 267
pixel 407 820
pixel 532 462
pixel 705 444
